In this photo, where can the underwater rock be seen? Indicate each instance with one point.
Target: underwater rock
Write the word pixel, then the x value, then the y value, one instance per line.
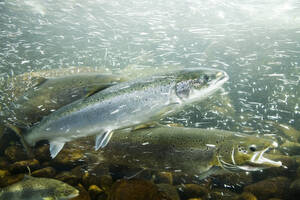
pixel 135 189
pixel 42 153
pixel 222 194
pixel 95 192
pixel 269 188
pixel 68 157
pixel 15 153
pixel 235 180
pixel 89 179
pixel 246 196
pixel 192 191
pixel 106 182
pixel 4 173
pixel 22 166
pixel 163 177
pixel 3 163
pixel 47 172
pixel 295 189
pixel 195 199
pixel 8 180
pixel 68 177
pixel 169 191
pixel 83 194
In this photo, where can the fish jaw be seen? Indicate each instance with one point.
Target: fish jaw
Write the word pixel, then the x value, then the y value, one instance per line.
pixel 222 77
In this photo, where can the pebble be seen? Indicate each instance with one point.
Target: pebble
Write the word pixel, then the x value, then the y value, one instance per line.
pixel 135 189
pixel 24 166
pixel 246 196
pixel 15 153
pixel 95 191
pixel 269 188
pixel 164 177
pixel 8 180
pixel 169 191
pixel 83 194
pixel 192 191
pixel 47 172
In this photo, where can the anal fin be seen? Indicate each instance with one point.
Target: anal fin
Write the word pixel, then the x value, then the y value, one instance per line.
pixel 102 139
pixel 55 148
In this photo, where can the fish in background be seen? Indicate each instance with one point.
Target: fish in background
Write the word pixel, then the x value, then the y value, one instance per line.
pixel 124 105
pixel 31 188
pixel 193 151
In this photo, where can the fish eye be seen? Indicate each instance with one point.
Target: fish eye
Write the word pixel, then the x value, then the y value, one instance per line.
pixel 252 147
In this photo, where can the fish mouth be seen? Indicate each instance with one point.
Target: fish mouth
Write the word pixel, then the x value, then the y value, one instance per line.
pixel 257 161
pixel 214 85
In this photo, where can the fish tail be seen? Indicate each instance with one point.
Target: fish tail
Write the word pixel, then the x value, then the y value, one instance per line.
pixel 22 139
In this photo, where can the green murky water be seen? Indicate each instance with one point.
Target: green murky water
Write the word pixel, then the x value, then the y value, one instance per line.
pixel 256 42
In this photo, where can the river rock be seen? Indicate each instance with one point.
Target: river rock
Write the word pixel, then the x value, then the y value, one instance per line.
pixel 169 191
pixel 3 163
pixel 163 177
pixel 236 181
pixel 83 194
pixel 24 166
pixel 295 189
pixel 222 194
pixel 47 172
pixel 246 196
pixel 95 192
pixel 269 188
pixel 15 153
pixel 192 191
pixel 42 153
pixel 8 180
pixel 134 189
pixel 68 158
pixel 68 177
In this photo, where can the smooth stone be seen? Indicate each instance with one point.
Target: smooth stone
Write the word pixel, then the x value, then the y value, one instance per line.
pixel 95 191
pixel 24 166
pixel 68 177
pixel 3 163
pixel 194 199
pixel 42 153
pixel 163 177
pixel 89 179
pixel 8 180
pixel 269 188
pixel 134 189
pixel 15 153
pixel 4 173
pixel 246 196
pixel 222 194
pixel 68 158
pixel 192 191
pixel 106 182
pixel 295 188
pixel 170 191
pixel 47 172
pixel 83 194
pixel 236 181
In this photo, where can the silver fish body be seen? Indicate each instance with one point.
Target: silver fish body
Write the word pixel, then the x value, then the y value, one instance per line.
pixel 126 104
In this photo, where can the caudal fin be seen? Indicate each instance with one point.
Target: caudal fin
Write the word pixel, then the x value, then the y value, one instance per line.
pixel 24 143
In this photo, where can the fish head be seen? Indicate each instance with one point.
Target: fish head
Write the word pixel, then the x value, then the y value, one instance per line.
pixel 197 83
pixel 246 153
pixel 65 191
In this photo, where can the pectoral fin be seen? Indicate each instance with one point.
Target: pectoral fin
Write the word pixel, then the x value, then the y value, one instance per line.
pixel 102 139
pixel 55 148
